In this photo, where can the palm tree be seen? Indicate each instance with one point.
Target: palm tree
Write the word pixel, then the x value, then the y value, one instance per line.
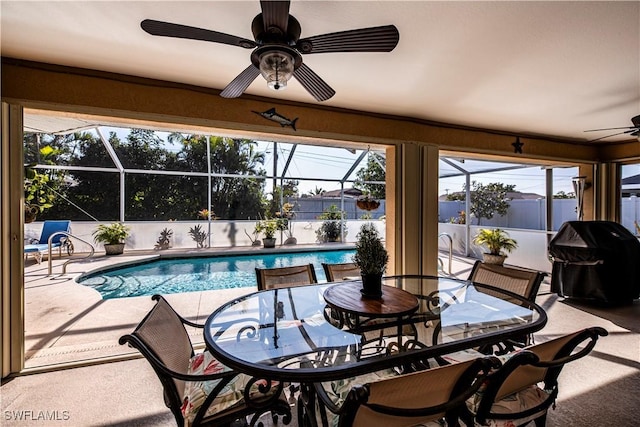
pixel 232 197
pixel 317 191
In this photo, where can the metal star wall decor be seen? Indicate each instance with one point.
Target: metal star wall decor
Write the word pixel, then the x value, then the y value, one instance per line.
pixel 517 146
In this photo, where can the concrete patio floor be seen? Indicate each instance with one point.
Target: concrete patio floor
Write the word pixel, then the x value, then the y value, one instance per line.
pixel 600 389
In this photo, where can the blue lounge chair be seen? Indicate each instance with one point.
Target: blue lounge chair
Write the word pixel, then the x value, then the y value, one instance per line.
pixel 49 230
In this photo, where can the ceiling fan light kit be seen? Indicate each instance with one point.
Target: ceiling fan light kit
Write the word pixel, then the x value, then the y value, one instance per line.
pixel 277 69
pixel 278 49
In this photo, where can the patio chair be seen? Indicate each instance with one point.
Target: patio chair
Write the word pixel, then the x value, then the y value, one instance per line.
pixel 513 397
pixel 60 240
pixel 419 398
pixel 198 389
pixel 520 281
pixel 275 278
pixel 338 272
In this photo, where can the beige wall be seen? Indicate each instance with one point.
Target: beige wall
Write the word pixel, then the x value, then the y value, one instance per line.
pixel 36 85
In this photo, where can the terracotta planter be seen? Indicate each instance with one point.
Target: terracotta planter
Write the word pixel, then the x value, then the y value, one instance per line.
pixel 372 285
pixel 493 259
pixel 114 249
pixel 368 205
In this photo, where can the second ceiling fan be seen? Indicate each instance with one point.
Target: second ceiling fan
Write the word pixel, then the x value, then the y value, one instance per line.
pixel 630 130
pixel 278 48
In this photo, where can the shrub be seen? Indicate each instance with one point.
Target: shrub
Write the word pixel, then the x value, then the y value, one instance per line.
pixel 111 234
pixel 371 256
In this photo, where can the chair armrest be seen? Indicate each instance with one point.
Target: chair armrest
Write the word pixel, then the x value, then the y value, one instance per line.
pixel 133 341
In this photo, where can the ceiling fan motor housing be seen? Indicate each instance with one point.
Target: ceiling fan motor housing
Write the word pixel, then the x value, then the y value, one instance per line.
pixel 274 34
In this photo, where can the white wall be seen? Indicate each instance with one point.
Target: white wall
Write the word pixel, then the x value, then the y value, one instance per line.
pixel 531 251
pixel 530 214
pixel 144 235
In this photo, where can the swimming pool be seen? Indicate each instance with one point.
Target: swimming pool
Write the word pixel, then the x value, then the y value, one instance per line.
pixel 192 274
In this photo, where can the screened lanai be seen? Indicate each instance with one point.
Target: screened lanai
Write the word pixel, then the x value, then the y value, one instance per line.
pixel 109 170
pixel 325 175
pixel 319 168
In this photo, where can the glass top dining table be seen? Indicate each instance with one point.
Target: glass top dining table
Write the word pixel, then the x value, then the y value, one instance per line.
pixel 291 334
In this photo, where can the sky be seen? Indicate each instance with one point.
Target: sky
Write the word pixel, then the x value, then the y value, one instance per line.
pixel 630 170
pixel 528 180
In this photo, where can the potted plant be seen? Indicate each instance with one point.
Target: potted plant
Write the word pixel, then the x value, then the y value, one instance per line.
pixel 286 217
pixel 367 202
pixel 497 241
pixel 371 257
pixel 113 237
pixel 268 228
pixel 332 226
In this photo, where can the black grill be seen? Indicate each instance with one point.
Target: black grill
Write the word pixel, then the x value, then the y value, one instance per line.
pixel 595 260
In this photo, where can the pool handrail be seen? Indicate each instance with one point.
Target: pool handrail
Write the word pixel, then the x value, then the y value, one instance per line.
pixel 64 266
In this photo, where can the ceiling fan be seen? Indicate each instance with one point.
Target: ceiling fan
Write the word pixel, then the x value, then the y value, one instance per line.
pixel 278 48
pixel 631 130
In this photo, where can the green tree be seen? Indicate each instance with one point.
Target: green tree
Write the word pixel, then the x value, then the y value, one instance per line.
pixel 486 200
pixel 151 196
pixel 147 196
pixel 318 191
pixel 45 149
pixel 375 170
pixel 282 194
pixel 98 192
pixel 232 197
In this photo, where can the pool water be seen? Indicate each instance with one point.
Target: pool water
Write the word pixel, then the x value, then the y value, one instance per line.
pixel 176 275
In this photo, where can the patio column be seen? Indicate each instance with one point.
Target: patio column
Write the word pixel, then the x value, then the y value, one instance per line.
pixel 414 210
pixel 606 193
pixel 11 244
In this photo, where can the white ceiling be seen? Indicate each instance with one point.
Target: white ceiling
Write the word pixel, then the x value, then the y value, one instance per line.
pixel 544 68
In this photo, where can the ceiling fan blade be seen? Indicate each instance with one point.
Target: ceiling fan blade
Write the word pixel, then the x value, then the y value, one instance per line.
pixel 275 14
pixel 167 29
pixel 240 83
pixel 373 39
pixel 596 130
pixel 317 87
pixel 615 134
